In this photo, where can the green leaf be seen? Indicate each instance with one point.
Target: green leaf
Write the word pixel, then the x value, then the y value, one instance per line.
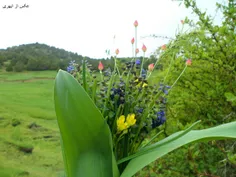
pixel 152 147
pixel 86 138
pixel 230 97
pixel 220 132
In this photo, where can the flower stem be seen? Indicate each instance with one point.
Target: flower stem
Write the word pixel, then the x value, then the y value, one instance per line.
pixel 178 77
pixel 169 68
pixel 108 92
pixel 101 75
pixel 115 67
pixel 142 64
pixel 133 51
pixel 135 41
pixel 153 69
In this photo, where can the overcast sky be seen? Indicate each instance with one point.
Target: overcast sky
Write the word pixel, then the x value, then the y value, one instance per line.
pixel 88 26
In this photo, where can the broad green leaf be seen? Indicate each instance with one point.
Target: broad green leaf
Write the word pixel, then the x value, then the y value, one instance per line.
pixel 220 132
pixel 85 136
pixel 147 149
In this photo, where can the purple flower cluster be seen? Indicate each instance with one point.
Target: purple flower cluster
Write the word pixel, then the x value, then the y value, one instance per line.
pixel 164 88
pixel 137 62
pixel 118 94
pixel 71 67
pixel 159 120
pixel 144 73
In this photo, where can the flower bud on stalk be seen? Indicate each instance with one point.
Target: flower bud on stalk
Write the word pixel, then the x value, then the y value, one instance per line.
pixel 135 23
pixel 189 62
pixel 163 47
pixel 144 48
pixel 151 67
pixel 117 51
pixel 100 66
pixel 132 41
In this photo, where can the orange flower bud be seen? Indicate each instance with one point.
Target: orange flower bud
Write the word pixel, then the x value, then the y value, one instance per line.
pixel 144 48
pixel 117 51
pixel 100 66
pixel 136 23
pixel 137 51
pixel 132 41
pixel 151 67
pixel 163 47
pixel 189 62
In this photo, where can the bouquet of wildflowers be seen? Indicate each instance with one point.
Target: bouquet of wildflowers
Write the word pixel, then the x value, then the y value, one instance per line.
pixel 109 120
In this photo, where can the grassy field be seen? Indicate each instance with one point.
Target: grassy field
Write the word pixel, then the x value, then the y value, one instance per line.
pixel 29 136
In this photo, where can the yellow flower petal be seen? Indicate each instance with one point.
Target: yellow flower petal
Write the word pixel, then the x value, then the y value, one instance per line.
pixel 130 119
pixel 145 85
pixel 121 120
pixel 121 124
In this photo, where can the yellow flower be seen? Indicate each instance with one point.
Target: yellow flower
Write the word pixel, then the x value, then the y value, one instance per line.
pixel 121 124
pixel 145 85
pixel 130 119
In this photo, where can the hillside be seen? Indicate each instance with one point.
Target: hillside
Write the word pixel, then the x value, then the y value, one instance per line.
pixel 40 57
pixel 36 57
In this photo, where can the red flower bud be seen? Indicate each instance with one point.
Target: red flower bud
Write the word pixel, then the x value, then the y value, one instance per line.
pixel 182 21
pixel 163 47
pixel 117 51
pixel 189 62
pixel 136 23
pixel 151 67
pixel 132 41
pixel 144 48
pixel 100 66
pixel 137 51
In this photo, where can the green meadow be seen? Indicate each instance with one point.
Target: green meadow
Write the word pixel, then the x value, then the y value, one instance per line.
pixel 29 136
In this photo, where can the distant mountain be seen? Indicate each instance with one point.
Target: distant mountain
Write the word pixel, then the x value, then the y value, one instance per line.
pixel 36 57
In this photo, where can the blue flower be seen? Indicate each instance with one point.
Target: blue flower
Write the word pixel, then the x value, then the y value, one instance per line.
pixel 120 93
pixel 144 73
pixel 161 119
pixel 164 88
pixel 137 62
pixel 140 110
pixel 107 72
pixel 70 69
pixel 165 92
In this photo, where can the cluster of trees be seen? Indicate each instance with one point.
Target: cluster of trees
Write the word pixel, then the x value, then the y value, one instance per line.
pixel 202 92
pixel 38 57
pixel 35 57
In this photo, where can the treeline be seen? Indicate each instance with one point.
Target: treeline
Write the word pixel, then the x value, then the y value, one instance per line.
pixel 38 57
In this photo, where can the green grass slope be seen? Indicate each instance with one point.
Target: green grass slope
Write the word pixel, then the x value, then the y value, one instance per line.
pixel 29 136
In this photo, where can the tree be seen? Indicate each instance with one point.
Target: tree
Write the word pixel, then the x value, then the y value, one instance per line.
pixel 19 67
